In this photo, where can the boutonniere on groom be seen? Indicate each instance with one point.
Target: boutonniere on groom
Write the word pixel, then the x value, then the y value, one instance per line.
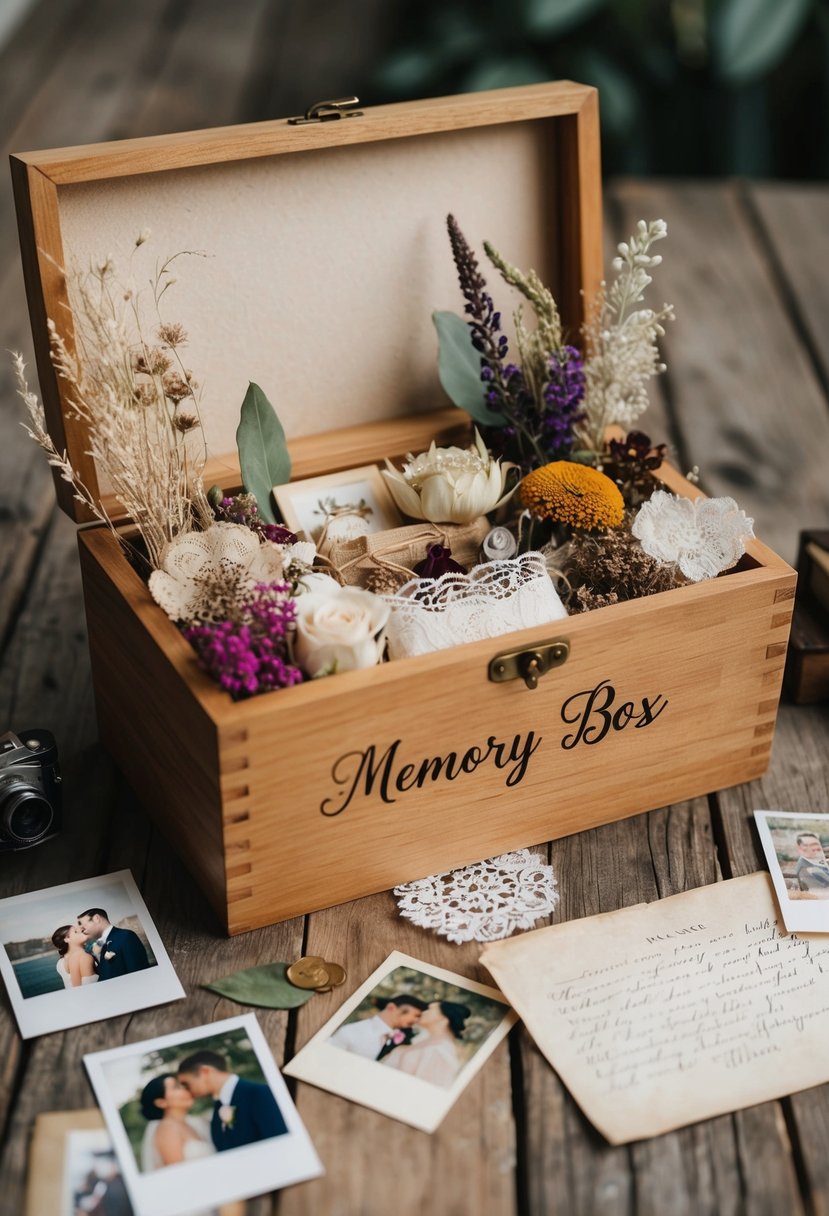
pixel 109 954
pixel 227 1116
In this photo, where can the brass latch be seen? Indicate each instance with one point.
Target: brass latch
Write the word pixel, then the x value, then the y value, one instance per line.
pixel 529 663
pixel 325 111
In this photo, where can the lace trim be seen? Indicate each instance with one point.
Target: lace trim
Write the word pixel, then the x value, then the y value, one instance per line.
pixel 494 598
pixel 482 902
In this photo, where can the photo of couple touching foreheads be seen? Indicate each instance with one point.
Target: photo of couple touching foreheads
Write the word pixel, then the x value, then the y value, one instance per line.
pixel 240 1112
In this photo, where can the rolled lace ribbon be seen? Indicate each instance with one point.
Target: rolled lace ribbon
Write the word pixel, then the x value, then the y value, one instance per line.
pixel 498 544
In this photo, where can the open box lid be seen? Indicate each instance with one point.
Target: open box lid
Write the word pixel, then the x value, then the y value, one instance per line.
pixel 327 253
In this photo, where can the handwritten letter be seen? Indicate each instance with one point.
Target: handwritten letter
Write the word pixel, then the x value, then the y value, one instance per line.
pixel 663 1014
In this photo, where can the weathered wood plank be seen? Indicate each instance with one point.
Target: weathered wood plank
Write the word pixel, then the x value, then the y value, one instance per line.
pixel 206 68
pixel 468 1163
pixel 742 387
pixel 798 780
pixel 794 221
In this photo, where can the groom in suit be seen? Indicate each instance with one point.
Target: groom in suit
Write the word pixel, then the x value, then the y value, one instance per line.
pixel 243 1111
pixel 121 951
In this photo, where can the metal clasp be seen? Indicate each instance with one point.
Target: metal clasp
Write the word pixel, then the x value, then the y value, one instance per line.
pixel 325 111
pixel 529 663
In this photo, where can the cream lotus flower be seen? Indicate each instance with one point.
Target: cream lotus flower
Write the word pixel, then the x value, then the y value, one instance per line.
pixel 449 485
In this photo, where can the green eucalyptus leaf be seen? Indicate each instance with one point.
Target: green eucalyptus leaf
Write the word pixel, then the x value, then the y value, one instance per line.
pixel 749 37
pixel 553 17
pixel 263 453
pixel 264 986
pixel 459 368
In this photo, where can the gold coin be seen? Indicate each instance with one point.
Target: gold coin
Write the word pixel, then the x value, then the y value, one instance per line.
pixel 309 972
pixel 336 974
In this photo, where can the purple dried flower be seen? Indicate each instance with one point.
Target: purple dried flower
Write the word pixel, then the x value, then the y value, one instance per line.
pixel 250 655
pixel 563 394
pixel 438 561
pixel 485 322
pixel 243 509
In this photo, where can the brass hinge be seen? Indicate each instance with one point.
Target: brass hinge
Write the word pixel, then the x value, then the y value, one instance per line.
pixel 325 111
pixel 529 663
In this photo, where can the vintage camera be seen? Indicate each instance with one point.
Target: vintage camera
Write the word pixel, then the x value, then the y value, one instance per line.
pixel 30 801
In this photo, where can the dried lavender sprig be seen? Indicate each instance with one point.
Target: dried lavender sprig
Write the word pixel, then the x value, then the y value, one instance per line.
pixel 485 322
pixel 505 382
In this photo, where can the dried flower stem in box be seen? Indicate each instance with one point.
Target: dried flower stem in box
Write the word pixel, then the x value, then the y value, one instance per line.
pixel 138 404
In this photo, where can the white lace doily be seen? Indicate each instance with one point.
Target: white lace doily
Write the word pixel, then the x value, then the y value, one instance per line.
pixel 203 574
pixel 703 537
pixel 494 598
pixel 482 902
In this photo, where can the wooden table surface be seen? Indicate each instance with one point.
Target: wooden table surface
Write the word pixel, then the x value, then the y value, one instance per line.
pixel 745 398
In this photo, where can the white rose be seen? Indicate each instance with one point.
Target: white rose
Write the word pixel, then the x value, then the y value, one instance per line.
pixel 340 630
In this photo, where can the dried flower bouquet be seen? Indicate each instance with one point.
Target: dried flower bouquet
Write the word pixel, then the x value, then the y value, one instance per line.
pixel 565 515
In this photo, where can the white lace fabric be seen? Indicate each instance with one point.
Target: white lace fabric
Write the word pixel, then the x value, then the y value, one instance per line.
pixel 703 537
pixel 494 598
pixel 202 573
pixel 483 902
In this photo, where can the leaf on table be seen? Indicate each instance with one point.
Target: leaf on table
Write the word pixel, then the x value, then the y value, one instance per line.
pixel 263 452
pixel 459 368
pixel 264 986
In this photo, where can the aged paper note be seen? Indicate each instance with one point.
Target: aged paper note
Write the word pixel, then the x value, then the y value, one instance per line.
pixel 662 1014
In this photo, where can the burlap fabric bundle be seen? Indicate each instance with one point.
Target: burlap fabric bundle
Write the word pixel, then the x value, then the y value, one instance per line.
pixel 397 551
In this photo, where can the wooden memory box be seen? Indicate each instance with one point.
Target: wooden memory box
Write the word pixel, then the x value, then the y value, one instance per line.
pixel 327 255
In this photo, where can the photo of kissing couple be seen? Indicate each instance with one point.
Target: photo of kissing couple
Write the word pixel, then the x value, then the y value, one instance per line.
pixel 81 952
pixel 75 938
pixel 419 1025
pixel 91 949
pixel 200 1119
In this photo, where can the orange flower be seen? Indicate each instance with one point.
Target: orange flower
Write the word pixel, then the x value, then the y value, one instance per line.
pixel 573 494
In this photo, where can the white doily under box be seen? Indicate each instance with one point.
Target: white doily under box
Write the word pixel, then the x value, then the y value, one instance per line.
pixel 328 253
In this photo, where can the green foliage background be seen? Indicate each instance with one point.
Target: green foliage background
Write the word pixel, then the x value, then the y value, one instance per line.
pixel 485 1014
pixel 234 1045
pixel 697 87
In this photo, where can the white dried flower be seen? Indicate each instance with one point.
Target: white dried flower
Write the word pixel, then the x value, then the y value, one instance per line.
pixel 449 485
pixel 622 341
pixel 703 537
pixel 206 576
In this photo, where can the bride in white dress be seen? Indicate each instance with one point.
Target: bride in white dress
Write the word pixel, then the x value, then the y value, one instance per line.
pixel 434 1056
pixel 172 1135
pixel 75 967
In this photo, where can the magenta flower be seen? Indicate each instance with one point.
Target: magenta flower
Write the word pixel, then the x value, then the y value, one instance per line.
pixel 250 655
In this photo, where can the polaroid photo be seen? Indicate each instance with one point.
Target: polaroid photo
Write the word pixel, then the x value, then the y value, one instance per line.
pixel 201 1118
pixel 346 505
pixel 408 1042
pixel 796 845
pixel 72 1167
pixel 82 952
